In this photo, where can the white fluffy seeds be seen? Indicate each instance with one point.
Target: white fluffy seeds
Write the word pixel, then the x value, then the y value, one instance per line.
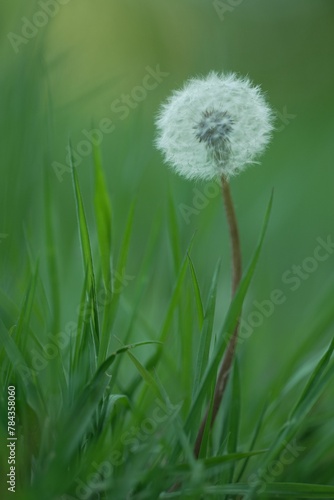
pixel 214 126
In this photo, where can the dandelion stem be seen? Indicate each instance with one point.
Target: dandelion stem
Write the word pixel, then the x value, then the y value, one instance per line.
pixel 225 369
pixel 234 235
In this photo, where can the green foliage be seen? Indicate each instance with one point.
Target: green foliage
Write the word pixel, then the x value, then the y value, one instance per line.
pixel 140 442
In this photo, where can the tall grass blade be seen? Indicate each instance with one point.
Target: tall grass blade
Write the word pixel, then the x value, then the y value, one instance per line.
pixel 103 216
pixel 86 253
pixel 198 297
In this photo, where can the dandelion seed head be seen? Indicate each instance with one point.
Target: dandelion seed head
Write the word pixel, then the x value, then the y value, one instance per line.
pixel 214 126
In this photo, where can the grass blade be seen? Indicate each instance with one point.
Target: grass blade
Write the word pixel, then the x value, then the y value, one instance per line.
pixel 86 253
pixel 204 450
pixel 22 371
pixel 274 490
pixel 174 232
pixel 254 439
pixel 51 254
pixel 25 313
pixel 103 216
pixel 234 415
pixel 146 375
pixel 199 303
pixel 206 334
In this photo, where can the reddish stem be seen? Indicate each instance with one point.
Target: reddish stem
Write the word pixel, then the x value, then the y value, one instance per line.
pixel 227 363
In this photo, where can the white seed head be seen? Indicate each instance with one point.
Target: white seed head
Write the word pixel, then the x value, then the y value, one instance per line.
pixel 214 126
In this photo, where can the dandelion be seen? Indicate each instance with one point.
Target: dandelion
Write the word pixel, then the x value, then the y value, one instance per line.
pixel 212 129
pixel 214 126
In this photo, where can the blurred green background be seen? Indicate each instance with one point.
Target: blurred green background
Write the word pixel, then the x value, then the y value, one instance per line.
pixel 64 79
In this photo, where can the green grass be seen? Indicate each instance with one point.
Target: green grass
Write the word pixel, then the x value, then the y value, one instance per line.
pixel 83 430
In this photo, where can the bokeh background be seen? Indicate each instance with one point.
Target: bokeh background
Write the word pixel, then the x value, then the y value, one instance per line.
pixel 64 79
